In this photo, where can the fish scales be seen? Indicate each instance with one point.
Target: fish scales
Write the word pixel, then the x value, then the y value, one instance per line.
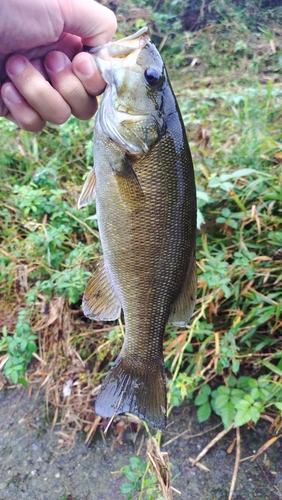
pixel 146 211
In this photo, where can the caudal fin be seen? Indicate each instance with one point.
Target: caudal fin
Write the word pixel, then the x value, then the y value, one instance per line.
pixel 136 387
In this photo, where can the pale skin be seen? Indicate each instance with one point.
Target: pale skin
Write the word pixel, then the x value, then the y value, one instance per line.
pixel 44 75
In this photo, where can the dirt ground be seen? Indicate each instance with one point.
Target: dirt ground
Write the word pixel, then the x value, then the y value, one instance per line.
pixel 34 467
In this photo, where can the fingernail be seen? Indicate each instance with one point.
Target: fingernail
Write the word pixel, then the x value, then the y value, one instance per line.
pixel 15 65
pixel 85 67
pixel 11 94
pixel 55 61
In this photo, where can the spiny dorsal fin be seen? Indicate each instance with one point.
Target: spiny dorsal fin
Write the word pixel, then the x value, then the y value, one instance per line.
pixel 183 307
pixel 100 301
pixel 88 190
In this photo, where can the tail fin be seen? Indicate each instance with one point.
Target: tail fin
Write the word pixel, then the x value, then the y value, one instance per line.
pixel 137 387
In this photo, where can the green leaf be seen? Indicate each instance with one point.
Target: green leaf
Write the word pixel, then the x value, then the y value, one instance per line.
pixel 202 195
pixel 243 382
pixel 204 412
pixel 259 393
pixel 252 382
pixel 222 389
pixel 14 376
pixel 232 223
pixel 130 475
pixel 235 366
pixel 255 413
pixel 126 488
pixel 272 368
pixel 31 347
pixel 222 400
pixel 244 413
pixel 201 399
pixel 227 414
pixel 134 462
pixel 23 345
pixel 236 396
pixel 206 389
pixel 243 172
pixel 248 398
pixel 23 381
pixel 266 316
pixel 231 381
pixel 220 220
pixel 226 212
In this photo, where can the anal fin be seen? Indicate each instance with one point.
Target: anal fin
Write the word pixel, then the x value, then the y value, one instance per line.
pixel 88 191
pixel 183 307
pixel 100 301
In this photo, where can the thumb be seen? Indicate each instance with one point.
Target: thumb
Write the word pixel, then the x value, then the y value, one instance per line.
pixel 93 22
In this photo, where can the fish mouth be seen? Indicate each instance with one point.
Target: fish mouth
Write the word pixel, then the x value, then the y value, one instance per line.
pixel 113 53
pixel 138 33
pixel 124 110
pixel 122 47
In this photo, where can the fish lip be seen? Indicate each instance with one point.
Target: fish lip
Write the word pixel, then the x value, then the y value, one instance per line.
pixel 134 36
pixel 138 33
pixel 119 49
pixel 132 113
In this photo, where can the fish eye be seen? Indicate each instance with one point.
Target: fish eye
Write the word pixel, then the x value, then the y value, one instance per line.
pixel 152 76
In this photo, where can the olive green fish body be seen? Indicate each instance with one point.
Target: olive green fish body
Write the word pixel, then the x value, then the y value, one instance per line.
pixel 146 210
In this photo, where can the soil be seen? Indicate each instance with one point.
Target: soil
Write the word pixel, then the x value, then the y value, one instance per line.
pixel 33 465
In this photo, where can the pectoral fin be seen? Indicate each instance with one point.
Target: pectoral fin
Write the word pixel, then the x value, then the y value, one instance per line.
pixel 183 307
pixel 88 190
pixel 128 183
pixel 100 301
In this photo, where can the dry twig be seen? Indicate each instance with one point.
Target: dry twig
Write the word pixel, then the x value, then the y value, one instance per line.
pixel 159 463
pixel 237 462
pixel 183 434
pixel 211 444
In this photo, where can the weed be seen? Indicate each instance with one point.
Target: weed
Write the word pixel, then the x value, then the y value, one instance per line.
pixel 20 348
pixel 241 400
pixel 138 478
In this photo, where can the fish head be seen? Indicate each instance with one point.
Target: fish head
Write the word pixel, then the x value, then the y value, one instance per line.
pixel 132 108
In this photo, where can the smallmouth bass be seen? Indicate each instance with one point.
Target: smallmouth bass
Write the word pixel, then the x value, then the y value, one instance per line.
pixel 144 184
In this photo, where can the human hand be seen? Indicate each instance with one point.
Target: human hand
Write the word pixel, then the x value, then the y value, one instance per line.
pixel 44 76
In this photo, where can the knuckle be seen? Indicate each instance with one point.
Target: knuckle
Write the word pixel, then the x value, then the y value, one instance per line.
pixel 71 92
pixel 50 104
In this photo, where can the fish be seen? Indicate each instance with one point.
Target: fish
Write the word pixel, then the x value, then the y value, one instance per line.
pixel 144 187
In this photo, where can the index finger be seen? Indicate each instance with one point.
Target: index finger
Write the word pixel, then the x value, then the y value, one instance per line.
pixel 93 22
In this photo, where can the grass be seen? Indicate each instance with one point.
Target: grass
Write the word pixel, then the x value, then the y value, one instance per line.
pixel 229 359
